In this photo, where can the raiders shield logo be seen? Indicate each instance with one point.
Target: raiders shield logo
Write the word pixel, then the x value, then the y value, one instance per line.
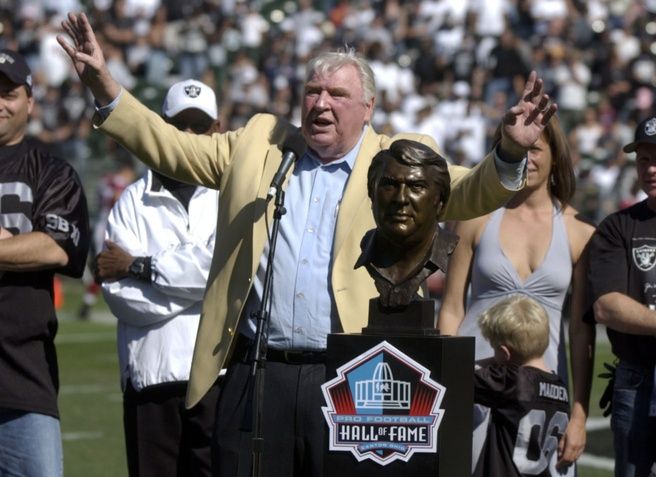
pixel 650 127
pixel 192 91
pixel 644 257
pixel 5 58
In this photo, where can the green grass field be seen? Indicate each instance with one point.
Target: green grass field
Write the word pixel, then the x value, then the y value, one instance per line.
pixel 90 400
pixel 90 397
pixel 599 441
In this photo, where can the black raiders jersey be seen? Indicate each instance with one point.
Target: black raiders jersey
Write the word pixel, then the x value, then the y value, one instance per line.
pixel 623 260
pixel 529 414
pixel 38 193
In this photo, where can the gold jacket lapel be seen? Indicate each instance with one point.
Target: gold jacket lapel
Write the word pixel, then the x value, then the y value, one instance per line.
pixel 355 197
pixel 271 163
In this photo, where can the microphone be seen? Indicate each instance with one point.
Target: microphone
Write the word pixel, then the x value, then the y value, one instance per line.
pixel 293 148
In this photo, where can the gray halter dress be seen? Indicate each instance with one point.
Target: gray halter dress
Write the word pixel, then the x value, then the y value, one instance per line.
pixel 493 278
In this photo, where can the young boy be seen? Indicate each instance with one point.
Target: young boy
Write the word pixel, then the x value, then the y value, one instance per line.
pixel 529 403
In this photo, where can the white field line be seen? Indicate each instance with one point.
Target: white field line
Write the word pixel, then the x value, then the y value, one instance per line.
pixel 595 461
pixel 101 337
pixel 76 436
pixel 87 389
pixel 604 463
pixel 597 423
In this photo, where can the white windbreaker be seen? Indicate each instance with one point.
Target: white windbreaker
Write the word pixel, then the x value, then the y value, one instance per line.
pixel 158 321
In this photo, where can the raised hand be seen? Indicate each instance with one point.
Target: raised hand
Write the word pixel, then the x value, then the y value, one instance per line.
pixel 523 123
pixel 88 59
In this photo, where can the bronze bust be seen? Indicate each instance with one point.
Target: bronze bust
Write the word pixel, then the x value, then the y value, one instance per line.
pixel 409 185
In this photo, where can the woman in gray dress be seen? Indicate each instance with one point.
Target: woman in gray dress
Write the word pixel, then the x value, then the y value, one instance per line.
pixel 533 245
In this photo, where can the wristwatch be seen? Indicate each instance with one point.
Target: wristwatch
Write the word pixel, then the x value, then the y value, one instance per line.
pixel 140 268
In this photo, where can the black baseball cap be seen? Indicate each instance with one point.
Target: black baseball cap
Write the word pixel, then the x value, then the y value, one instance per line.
pixel 645 133
pixel 14 67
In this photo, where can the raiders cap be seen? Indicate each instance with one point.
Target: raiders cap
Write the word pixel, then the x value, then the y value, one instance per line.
pixel 14 67
pixel 645 133
pixel 190 94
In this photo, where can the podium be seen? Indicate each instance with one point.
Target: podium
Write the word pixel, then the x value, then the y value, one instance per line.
pixel 398 403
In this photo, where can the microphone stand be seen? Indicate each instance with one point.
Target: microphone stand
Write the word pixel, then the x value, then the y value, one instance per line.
pixel 259 350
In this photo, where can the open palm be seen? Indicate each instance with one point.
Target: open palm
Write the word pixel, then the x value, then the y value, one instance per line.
pixel 524 122
pixel 87 57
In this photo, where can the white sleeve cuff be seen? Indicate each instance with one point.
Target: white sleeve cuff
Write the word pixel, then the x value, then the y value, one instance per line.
pixel 511 174
pixel 105 111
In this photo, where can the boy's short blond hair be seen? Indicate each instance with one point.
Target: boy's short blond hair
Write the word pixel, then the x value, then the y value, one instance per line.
pixel 518 322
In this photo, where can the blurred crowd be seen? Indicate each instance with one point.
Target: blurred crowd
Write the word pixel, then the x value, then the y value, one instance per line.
pixel 448 68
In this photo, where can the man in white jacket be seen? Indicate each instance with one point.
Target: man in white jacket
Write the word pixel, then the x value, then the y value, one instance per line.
pixel 159 245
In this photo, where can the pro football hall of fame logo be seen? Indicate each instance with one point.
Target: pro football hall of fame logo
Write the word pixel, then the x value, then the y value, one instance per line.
pixel 383 406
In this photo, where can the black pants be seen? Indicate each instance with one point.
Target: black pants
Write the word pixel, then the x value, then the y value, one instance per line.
pixel 162 438
pixel 292 422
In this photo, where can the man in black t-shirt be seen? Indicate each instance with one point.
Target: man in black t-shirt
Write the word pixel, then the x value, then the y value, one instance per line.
pixel 622 277
pixel 529 405
pixel 43 230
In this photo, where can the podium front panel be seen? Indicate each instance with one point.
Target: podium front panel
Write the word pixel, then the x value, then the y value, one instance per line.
pixel 381 405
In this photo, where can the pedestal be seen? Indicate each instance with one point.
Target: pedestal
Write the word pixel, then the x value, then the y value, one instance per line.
pixel 417 318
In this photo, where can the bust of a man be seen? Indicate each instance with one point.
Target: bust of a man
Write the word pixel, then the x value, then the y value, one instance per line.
pixel 409 185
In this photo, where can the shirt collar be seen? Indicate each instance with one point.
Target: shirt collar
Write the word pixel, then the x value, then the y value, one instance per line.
pixel 346 162
pixel 155 184
pixel 438 255
pixel 15 150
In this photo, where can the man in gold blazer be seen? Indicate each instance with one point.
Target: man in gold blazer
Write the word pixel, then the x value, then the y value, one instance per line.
pixel 328 214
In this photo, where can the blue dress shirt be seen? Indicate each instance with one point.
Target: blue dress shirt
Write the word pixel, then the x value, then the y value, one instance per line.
pixel 303 310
